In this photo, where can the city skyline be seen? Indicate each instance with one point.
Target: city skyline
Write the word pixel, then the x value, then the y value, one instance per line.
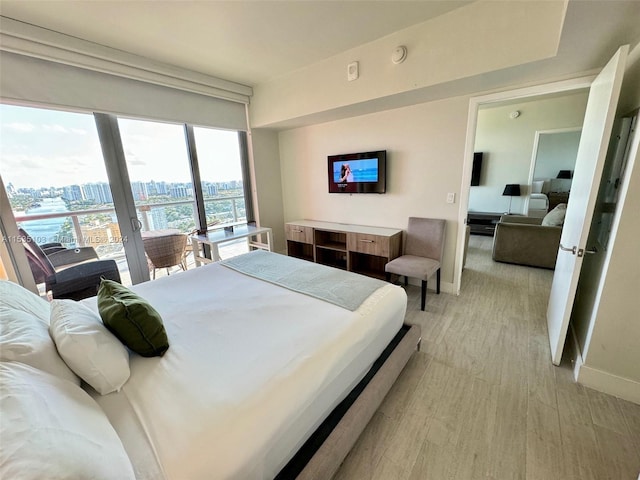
pixel 101 191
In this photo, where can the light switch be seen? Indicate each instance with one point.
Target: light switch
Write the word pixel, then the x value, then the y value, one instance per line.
pixel 451 197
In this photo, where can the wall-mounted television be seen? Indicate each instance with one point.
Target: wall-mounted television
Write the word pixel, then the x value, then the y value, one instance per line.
pixel 364 172
pixel 477 169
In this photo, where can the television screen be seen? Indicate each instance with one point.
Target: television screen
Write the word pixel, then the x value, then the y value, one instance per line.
pixel 358 172
pixel 477 169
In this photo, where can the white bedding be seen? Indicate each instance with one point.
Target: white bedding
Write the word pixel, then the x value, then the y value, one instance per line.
pixel 251 371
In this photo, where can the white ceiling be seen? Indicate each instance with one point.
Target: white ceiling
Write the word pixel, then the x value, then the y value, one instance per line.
pixel 248 42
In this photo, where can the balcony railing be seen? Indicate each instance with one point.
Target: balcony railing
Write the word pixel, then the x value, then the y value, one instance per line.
pixel 145 215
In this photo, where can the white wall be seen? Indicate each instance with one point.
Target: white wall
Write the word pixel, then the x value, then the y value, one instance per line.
pixel 508 146
pixel 425 149
pixel 481 37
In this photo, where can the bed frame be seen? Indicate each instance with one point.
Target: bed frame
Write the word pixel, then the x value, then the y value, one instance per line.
pixel 323 453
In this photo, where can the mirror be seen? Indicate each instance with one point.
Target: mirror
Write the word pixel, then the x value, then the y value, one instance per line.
pixel 554 151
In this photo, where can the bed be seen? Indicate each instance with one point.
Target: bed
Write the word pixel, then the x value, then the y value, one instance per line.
pixel 256 365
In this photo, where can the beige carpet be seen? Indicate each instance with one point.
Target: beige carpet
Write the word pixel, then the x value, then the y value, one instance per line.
pixel 482 400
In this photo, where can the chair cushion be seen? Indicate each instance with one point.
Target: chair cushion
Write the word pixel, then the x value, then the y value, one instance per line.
pixel 413 266
pixel 132 319
pixel 86 345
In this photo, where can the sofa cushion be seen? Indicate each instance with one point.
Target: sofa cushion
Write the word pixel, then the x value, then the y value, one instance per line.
pixel 555 218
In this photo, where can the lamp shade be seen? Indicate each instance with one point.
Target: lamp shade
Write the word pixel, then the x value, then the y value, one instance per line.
pixel 565 174
pixel 511 190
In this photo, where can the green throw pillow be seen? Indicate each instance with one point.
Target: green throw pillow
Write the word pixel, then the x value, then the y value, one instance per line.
pixel 132 319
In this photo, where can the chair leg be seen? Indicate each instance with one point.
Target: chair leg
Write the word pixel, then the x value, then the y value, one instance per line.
pixel 406 280
pixel 424 294
pixel 438 282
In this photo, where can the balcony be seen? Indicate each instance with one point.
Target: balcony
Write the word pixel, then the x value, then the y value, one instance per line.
pixel 98 228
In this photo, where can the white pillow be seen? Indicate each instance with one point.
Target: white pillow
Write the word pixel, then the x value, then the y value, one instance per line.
pixel 555 218
pixel 16 296
pixel 536 187
pixel 51 428
pixel 85 344
pixel 25 338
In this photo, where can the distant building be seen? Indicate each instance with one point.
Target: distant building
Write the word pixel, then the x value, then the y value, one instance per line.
pixel 98 192
pixel 210 188
pixel 139 190
pixel 162 188
pixel 178 191
pixel 72 192
pixel 158 219
pixel 100 235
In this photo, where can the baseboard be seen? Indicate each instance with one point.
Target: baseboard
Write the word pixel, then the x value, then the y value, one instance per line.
pixel 605 382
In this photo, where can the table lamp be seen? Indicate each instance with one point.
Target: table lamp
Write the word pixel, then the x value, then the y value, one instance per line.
pixel 511 190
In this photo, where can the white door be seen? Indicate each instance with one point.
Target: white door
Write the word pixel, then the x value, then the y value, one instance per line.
pixel 598 121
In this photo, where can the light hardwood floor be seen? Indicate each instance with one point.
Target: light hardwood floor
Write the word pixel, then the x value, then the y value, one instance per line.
pixel 482 399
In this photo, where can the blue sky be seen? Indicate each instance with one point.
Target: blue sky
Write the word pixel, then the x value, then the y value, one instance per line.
pixel 43 148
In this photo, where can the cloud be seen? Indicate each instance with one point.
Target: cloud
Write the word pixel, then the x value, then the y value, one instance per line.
pixel 78 131
pixel 55 128
pixel 20 127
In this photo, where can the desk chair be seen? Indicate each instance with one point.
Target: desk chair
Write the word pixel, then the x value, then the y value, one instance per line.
pixel 422 256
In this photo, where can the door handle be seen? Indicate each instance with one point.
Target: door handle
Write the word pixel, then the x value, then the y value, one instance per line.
pixel 572 249
pixel 136 224
pixel 584 251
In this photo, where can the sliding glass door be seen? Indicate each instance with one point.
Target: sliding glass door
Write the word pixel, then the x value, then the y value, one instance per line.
pixel 56 180
pixel 107 182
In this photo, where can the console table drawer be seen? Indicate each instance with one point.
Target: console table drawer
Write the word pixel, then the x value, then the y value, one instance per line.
pixel 370 244
pixel 299 233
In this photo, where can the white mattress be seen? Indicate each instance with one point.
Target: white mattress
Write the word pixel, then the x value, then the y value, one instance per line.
pixel 251 371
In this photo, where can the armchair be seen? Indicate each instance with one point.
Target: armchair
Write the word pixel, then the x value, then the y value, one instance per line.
pixel 524 241
pixel 60 256
pixel 75 282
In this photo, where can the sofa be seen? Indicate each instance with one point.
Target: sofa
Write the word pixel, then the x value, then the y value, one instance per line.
pixel 525 241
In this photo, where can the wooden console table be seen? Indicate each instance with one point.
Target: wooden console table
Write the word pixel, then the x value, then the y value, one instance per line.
pixel 355 248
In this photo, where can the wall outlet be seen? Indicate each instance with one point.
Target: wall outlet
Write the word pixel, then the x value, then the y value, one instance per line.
pixel 352 71
pixel 451 197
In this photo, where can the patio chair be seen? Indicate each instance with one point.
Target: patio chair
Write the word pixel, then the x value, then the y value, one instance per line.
pixel 74 282
pixel 60 256
pixel 165 249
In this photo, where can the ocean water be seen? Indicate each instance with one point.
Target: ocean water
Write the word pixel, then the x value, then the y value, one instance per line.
pixel 360 175
pixel 44 231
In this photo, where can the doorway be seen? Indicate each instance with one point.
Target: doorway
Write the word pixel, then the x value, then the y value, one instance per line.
pixel 604 92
